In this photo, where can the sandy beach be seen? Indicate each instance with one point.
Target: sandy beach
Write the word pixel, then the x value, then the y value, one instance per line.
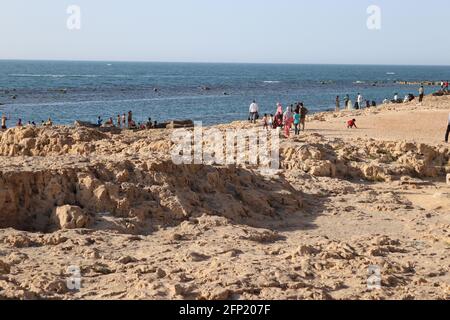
pixel 139 227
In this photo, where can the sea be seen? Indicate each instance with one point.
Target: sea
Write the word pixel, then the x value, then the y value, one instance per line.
pixel 209 92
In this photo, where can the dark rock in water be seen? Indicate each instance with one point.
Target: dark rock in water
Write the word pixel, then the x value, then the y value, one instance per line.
pixel 180 124
pixel 85 124
pixel 14 97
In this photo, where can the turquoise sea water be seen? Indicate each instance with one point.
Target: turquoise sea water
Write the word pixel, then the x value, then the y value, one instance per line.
pixel 212 93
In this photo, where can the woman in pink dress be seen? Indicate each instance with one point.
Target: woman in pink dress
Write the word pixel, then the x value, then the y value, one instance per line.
pixel 288 120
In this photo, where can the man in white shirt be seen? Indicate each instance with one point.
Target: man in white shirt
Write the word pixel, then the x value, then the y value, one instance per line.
pixel 253 110
pixel 448 129
pixel 359 100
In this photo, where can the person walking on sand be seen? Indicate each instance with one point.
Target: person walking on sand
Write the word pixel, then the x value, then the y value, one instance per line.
pixel 119 121
pixel 303 113
pixel 124 120
pixel 253 111
pixel 287 119
pixel 4 119
pixel 338 104
pixel 446 86
pixel 421 94
pixel 448 129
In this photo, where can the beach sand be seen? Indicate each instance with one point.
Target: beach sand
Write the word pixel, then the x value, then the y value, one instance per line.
pixel 139 227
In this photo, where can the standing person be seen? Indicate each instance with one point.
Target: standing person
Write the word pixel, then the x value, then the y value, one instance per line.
pixel 124 120
pixel 130 118
pixel 346 101
pixel 253 111
pixel 446 86
pixel 19 123
pixel 421 94
pixel 448 129
pixel 287 122
pixel 303 113
pixel 359 101
pixel 118 121
pixel 279 108
pixel 99 121
pixel 396 98
pixel 4 119
pixel 297 122
pixel 270 121
pixel 265 122
pixel 338 104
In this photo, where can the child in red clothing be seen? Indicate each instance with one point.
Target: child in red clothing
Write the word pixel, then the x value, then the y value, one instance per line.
pixel 352 124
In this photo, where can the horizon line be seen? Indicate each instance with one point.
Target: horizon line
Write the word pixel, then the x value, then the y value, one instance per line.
pixel 225 62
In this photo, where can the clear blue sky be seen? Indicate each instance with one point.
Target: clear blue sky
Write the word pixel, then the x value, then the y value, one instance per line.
pixel 270 31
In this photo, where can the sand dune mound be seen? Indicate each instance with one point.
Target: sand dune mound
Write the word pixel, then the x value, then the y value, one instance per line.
pixel 154 191
pixel 30 141
pixel 368 159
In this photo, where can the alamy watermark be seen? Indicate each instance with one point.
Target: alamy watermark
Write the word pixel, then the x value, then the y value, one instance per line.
pixel 74 281
pixel 374 19
pixel 253 147
pixel 374 278
pixel 74 19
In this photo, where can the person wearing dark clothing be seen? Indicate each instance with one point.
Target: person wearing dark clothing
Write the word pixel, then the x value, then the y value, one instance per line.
pixel 448 129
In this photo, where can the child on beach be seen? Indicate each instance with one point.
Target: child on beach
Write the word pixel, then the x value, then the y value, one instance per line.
pixel 265 121
pixel 19 123
pixel 352 124
pixel 270 121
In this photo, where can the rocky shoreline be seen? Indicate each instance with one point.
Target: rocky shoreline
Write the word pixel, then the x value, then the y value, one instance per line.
pixel 140 227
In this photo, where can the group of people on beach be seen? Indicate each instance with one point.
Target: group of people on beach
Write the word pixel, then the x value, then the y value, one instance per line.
pixel 294 116
pixel 123 121
pixel 20 123
pixel 359 103
pixel 126 121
